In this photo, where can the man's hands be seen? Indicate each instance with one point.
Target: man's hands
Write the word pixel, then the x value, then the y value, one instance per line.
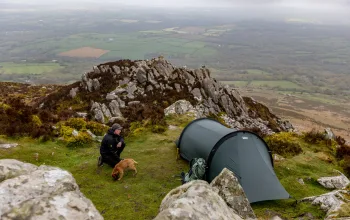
pixel 119 144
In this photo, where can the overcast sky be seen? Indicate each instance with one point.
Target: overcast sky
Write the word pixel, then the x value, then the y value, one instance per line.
pixel 330 10
pixel 310 4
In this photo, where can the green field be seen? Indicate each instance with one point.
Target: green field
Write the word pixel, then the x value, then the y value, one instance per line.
pixel 283 84
pixel 236 83
pixel 28 68
pixel 257 72
pixel 127 46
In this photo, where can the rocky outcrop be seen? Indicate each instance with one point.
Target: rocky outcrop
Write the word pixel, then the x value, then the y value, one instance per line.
pixel 334 182
pixel 228 187
pixel 224 198
pixel 182 107
pixel 31 192
pixel 330 202
pixel 195 200
pixel 112 89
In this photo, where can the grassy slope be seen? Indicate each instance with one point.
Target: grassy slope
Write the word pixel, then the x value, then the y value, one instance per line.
pixel 28 68
pixel 139 197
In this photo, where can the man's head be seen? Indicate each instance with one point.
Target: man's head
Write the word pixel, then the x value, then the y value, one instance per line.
pixel 116 128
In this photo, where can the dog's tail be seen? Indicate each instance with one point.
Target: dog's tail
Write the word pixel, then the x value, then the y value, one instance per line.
pixel 135 161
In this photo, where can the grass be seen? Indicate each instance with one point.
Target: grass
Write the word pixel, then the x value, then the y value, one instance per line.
pixel 309 166
pixel 283 84
pixel 133 197
pixel 257 72
pixel 135 45
pixel 28 68
pixel 236 83
pixel 140 197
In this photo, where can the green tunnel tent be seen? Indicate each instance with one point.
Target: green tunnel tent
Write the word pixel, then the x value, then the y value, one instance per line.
pixel 243 152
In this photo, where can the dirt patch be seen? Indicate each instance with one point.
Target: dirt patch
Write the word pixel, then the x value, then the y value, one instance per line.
pixel 85 52
pixel 299 101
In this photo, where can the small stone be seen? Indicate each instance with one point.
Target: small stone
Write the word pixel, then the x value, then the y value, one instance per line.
pixel 6 146
pixel 301 181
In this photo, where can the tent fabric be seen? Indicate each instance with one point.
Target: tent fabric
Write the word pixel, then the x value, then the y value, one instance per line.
pixel 243 152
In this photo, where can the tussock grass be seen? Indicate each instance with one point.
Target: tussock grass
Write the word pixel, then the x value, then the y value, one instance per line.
pixel 131 198
pixel 140 197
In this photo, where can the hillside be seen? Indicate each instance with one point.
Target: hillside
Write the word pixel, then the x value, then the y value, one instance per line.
pixel 57 125
pixel 128 91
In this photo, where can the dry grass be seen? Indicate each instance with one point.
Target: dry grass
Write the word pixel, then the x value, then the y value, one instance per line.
pixel 85 52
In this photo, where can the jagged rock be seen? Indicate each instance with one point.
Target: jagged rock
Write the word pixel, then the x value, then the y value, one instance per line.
pixel 115 111
pixel 155 72
pixel 119 91
pixel 96 84
pixel 190 78
pixel 201 111
pixel 31 192
pixel 133 103
pixel 96 69
pixel 329 134
pixel 159 78
pixel 105 68
pixel 287 126
pixel 73 92
pixel 116 70
pixel 197 94
pixel 141 76
pixel 210 87
pixel 334 182
pixel 180 107
pixel 230 122
pixel 124 82
pixel 330 202
pixel 121 103
pixel 198 74
pixel 149 88
pixel 228 187
pixel 131 88
pixel 6 146
pixel 97 112
pixel 111 96
pixel 116 119
pixel 178 87
pixel 163 67
pixel 195 200
pixel 89 85
pixel 75 133
pixel 106 111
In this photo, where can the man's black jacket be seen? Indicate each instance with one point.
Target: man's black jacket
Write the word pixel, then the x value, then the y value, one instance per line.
pixel 109 142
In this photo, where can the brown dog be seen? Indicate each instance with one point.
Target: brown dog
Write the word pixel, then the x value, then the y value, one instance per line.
pixel 124 165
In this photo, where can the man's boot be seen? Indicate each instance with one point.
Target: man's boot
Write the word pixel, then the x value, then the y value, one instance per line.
pixel 100 161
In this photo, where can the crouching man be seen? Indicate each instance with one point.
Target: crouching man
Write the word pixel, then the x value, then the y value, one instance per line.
pixel 112 146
